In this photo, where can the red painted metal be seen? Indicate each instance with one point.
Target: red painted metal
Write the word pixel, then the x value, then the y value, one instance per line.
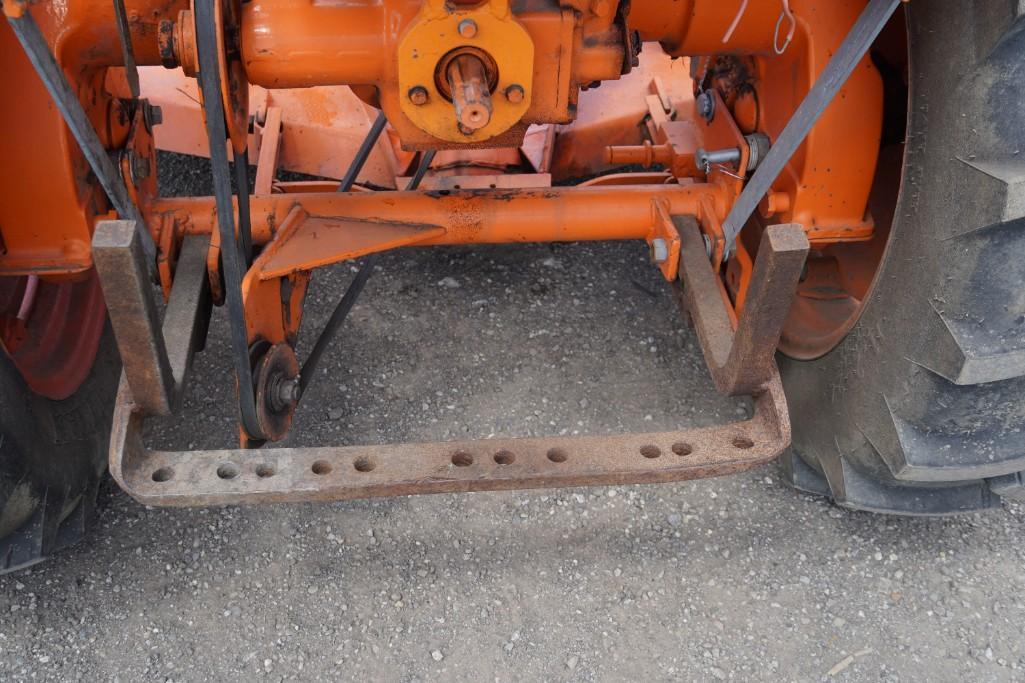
pixel 55 345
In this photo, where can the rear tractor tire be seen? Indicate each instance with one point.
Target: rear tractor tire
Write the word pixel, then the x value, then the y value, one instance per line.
pixel 53 456
pixel 920 408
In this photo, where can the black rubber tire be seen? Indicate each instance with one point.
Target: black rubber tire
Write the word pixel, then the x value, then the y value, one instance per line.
pixel 921 408
pixel 53 455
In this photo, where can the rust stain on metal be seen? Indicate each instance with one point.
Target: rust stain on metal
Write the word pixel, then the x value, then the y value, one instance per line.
pixel 741 361
pixel 344 473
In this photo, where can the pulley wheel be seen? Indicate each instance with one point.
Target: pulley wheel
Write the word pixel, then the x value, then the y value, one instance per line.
pixel 276 379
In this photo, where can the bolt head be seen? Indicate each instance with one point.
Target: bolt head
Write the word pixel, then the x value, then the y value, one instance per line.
pixel 467 28
pixel 659 250
pixel 418 95
pixel 152 114
pixel 514 93
pixel 706 105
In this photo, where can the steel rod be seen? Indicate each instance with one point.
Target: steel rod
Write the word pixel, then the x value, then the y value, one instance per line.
pixel 353 291
pixel 245 229
pixel 363 153
pixel 125 36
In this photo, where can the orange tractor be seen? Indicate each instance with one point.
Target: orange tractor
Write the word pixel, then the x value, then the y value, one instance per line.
pixel 834 188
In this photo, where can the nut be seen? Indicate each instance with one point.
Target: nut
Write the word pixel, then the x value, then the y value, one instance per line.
pixel 659 250
pixel 758 144
pixel 706 105
pixel 288 392
pixel 514 93
pixel 467 28
pixel 418 95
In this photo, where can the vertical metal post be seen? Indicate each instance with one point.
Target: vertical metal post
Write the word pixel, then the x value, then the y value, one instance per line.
pixel 188 310
pixel 122 266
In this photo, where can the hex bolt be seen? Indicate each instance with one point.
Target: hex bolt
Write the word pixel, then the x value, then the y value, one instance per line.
pixel 152 115
pixel 418 95
pixel 659 250
pixel 706 105
pixel 514 93
pixel 288 392
pixel 467 28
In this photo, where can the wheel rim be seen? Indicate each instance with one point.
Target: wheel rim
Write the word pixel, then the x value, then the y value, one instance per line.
pixel 55 344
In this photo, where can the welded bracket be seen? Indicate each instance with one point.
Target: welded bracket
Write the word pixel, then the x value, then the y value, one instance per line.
pixel 742 361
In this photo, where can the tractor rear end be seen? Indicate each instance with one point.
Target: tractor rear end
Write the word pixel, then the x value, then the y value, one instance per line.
pixel 820 183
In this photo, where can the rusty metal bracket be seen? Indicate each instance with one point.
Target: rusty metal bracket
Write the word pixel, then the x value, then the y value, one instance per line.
pixel 155 360
pixel 235 476
pixel 121 262
pixel 188 312
pixel 276 475
pixel 743 361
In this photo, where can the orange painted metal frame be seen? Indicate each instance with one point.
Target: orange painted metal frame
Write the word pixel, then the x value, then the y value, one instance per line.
pixel 296 43
pixel 322 126
pixel 468 217
pixel 306 231
pixel 826 185
pixel 50 201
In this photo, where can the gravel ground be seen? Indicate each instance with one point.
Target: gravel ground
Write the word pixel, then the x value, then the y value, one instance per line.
pixel 738 578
